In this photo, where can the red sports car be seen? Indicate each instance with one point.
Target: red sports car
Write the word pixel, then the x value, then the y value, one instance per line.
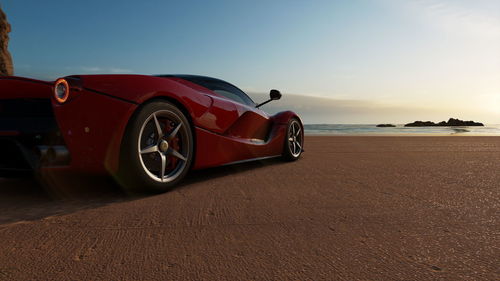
pixel 146 131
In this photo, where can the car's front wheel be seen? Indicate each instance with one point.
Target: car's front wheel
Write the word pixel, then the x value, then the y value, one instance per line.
pixel 157 149
pixel 294 140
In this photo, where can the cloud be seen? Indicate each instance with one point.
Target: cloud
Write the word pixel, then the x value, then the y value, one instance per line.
pixel 97 69
pixel 459 19
pixel 91 69
pixel 119 70
pixel 52 73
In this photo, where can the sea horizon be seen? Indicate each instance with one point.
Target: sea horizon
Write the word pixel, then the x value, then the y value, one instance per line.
pixel 400 129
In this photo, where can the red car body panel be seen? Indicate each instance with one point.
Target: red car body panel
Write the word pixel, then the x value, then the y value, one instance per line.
pixel 94 119
pixel 92 126
pixel 18 87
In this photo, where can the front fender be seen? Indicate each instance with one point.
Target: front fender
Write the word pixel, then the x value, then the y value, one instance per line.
pixel 285 116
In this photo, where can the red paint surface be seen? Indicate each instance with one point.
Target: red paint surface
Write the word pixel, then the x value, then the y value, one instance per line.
pixel 92 126
pixel 12 87
pixel 94 119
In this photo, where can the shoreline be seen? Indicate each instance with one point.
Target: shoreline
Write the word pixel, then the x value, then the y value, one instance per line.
pixel 398 135
pixel 399 130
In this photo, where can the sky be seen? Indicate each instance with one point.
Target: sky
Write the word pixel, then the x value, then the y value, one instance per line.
pixel 358 61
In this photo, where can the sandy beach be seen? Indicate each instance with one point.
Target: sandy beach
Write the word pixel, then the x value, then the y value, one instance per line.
pixel 352 208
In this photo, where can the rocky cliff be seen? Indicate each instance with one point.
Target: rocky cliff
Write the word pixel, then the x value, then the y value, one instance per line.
pixel 6 67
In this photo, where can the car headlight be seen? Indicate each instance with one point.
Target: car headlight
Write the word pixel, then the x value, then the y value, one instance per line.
pixel 61 90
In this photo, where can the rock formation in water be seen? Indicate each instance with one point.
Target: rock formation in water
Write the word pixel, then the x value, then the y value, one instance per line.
pixel 385 125
pixel 451 123
pixel 6 67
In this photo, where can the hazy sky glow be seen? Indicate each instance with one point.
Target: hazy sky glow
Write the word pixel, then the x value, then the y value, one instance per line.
pixel 391 61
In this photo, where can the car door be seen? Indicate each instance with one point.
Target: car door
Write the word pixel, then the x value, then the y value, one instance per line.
pixel 252 123
pixel 232 112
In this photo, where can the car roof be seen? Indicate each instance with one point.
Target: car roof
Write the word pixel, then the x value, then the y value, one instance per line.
pixel 205 81
pixel 192 77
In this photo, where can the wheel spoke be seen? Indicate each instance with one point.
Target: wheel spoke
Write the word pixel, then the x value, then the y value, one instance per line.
pixel 298 146
pixel 150 149
pixel 290 139
pixel 158 127
pixel 174 132
pixel 163 166
pixel 176 154
pixel 298 132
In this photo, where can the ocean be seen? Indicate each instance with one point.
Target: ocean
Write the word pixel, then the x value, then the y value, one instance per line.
pixel 371 129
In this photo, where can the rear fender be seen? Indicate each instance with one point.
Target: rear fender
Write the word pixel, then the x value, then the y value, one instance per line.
pixel 92 126
pixel 141 88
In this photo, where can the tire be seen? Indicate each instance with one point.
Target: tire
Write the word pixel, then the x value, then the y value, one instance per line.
pixel 294 140
pixel 157 149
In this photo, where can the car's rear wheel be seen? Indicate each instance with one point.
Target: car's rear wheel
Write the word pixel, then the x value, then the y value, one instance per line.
pixel 294 140
pixel 157 149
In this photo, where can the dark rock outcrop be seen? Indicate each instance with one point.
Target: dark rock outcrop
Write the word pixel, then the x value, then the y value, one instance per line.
pixel 385 125
pixel 6 67
pixel 451 123
pixel 421 124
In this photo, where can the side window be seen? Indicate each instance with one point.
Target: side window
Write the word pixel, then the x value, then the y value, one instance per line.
pixel 229 91
pixel 230 95
pixel 222 88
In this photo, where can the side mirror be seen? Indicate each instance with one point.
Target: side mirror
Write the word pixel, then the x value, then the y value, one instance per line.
pixel 273 95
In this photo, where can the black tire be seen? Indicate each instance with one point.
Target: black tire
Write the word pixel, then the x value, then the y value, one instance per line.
pixel 294 140
pixel 141 170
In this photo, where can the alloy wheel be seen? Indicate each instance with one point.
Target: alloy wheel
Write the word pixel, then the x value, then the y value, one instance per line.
pixel 295 138
pixel 163 146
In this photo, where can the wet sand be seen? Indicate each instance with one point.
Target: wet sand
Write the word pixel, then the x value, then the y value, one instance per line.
pixel 353 208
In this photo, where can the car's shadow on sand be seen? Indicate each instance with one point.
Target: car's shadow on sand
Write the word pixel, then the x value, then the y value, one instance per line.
pixel 211 173
pixel 27 200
